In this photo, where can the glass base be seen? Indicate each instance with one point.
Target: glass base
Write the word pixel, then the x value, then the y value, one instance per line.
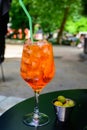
pixel 30 121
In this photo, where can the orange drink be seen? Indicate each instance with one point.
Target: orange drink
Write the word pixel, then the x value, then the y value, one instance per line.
pixel 37 65
pixel 37 69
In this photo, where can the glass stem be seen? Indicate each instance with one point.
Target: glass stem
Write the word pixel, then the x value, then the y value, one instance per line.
pixel 36 108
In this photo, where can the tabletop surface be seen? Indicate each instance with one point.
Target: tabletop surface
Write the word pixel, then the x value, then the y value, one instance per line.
pixel 12 119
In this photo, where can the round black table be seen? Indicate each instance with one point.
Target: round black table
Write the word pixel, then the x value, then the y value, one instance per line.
pixel 12 119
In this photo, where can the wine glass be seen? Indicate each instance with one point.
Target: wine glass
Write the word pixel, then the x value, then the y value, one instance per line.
pixel 37 69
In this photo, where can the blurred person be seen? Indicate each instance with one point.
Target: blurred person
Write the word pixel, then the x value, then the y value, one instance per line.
pixel 39 34
pixel 10 33
pixel 27 33
pixel 81 39
pixel 74 40
pixel 4 19
pixel 20 34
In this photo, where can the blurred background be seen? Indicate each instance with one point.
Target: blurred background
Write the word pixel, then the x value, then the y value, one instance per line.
pixel 61 22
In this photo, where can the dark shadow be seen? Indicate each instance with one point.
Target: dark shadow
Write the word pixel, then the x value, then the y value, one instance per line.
pixel 82 57
pixel 57 57
pixel 61 125
pixel 7 79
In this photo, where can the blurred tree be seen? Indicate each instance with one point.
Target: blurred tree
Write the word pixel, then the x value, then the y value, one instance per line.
pixel 70 8
pixel 84 4
pixel 51 15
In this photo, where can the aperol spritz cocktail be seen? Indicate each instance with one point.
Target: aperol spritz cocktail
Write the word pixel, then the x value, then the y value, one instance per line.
pixel 37 69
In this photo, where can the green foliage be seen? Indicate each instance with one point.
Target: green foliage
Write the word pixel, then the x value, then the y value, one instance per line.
pixel 47 13
pixel 19 20
pixel 76 26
